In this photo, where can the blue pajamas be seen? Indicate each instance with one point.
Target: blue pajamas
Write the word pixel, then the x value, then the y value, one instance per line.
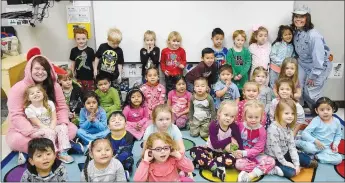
pixel 88 135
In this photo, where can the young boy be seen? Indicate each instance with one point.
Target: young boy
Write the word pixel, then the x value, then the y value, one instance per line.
pixel 219 51
pixel 121 140
pixel 108 96
pixel 206 68
pixel 224 88
pixel 43 166
pixel 109 57
pixel 82 58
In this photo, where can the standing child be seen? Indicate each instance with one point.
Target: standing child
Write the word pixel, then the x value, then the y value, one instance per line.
pixel 136 113
pixel 42 114
pixel 154 92
pixel 43 166
pixel 149 55
pixel 322 136
pixel 223 138
pixel 280 142
pixel 179 101
pixel 260 76
pixel 109 57
pixel 108 96
pixel 260 48
pixel 289 69
pixel 103 167
pixel 173 60
pixel 282 48
pixel 93 119
pixel 162 160
pixel 219 51
pixel 121 140
pixel 202 109
pixel 207 68
pixel 252 162
pixel 224 88
pixel 239 58
pixel 82 58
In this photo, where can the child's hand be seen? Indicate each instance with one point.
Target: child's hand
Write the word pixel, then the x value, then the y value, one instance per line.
pixel 95 72
pixel 228 148
pixel 234 141
pixel 166 73
pixel 239 76
pixel 237 154
pixel 319 145
pixel 298 169
pixel 334 148
pixel 37 134
pixel 71 115
pixel 236 78
pixel 208 89
pixel 148 155
pixel 176 154
pixel 181 66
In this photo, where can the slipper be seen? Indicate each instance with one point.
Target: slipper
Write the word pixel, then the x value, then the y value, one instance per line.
pixel 66 158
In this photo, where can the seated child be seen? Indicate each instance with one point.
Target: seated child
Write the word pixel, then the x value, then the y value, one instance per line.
pixel 108 96
pixel 224 135
pixel 179 101
pixel 136 113
pixel 224 88
pixel 42 114
pixel 162 160
pixel 260 76
pixel 201 110
pixel 93 119
pixel 322 136
pixel 47 169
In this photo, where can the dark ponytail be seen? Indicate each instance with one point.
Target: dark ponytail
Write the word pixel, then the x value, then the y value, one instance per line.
pixel 86 164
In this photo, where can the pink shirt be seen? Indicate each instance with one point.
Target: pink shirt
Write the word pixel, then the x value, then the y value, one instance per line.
pixel 154 95
pixel 260 55
pixel 136 115
pixel 179 103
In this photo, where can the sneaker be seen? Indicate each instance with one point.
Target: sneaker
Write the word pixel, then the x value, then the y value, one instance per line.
pixel 64 157
pixel 127 175
pixel 276 171
pixel 313 164
pixel 21 158
pixel 77 147
pixel 243 177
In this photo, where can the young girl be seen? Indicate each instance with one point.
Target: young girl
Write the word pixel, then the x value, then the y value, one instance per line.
pixel 260 48
pixel 289 69
pixel 162 161
pixel 282 48
pixel 42 114
pixel 322 136
pixel 149 55
pixel 259 76
pixel 153 91
pixel 103 167
pixel 280 142
pixel 179 101
pixel 136 113
pixel 93 119
pixel 286 88
pixel 239 58
pixel 252 162
pixel 217 155
pixel 250 92
pixel 173 60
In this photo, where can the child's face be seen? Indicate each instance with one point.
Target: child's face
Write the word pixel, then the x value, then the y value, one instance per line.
pixel 103 85
pixel 208 59
pixel 260 78
pixel 200 87
pixel 285 91
pixel 225 76
pixel 290 69
pixel 181 86
pixel 226 116
pixel 218 40
pixel 66 83
pixel 174 43
pixel 149 41
pixel 43 160
pixel 91 104
pixel 116 123
pixel 287 115
pixel 253 117
pixel 287 36
pixel 325 112
pixel 136 99
pixel 81 40
pixel 113 44
pixel 251 92
pixel 101 152
pixel 261 38
pixel 160 151
pixel 152 76
pixel 239 41
pixel 35 94
pixel 163 121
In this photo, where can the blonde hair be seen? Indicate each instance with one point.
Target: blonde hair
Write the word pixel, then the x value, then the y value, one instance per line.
pixel 27 102
pixel 80 31
pixel 239 32
pixel 158 109
pixel 279 111
pixel 257 71
pixel 150 33
pixel 255 33
pixel 163 136
pixel 230 104
pixel 174 34
pixel 288 81
pixel 69 74
pixel 115 35
pixel 250 83
pixel 254 104
pixel 282 73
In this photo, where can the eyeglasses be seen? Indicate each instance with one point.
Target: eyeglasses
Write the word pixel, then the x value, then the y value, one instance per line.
pixel 159 149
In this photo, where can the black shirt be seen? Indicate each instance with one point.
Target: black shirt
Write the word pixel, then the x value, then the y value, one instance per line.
pixel 83 62
pixel 153 55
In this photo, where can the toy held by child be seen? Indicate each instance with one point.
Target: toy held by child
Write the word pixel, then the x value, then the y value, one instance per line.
pixel 149 54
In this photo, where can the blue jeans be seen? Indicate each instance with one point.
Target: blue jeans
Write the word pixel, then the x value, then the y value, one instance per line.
pixel 289 172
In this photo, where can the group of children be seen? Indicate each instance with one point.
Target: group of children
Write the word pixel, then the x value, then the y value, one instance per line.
pixel 231 98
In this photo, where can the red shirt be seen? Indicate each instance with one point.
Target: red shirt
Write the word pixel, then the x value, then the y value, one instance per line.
pixel 170 59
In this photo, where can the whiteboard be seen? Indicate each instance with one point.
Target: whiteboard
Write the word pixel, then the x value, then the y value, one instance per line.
pixel 194 20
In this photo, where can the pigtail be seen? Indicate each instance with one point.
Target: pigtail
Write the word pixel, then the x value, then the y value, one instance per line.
pixel 86 164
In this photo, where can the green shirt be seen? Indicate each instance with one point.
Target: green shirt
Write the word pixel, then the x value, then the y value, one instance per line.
pixel 110 101
pixel 240 63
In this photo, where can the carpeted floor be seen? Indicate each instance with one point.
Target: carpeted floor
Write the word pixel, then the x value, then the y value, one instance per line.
pixel 323 173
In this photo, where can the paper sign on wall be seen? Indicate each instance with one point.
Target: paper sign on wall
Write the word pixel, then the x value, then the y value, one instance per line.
pixel 78 14
pixel 337 71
